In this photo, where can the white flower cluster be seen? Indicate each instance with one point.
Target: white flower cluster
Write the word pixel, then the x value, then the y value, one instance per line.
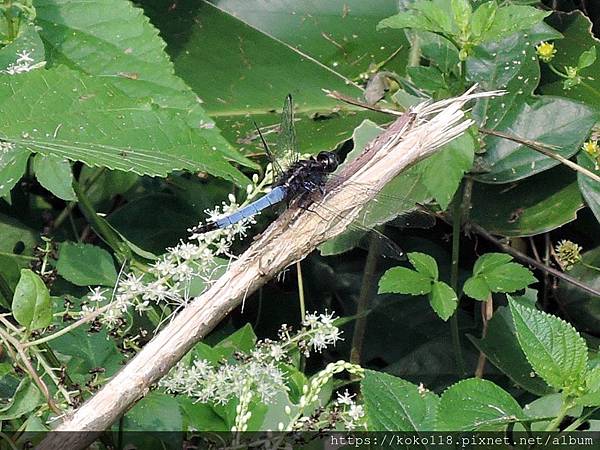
pixel 257 372
pixel 195 261
pixel 351 413
pixel 322 331
pixel 23 64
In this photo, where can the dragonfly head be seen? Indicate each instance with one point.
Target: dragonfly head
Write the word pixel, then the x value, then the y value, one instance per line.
pixel 329 161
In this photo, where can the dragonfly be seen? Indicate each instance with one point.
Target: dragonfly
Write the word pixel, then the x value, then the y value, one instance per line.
pixel 296 180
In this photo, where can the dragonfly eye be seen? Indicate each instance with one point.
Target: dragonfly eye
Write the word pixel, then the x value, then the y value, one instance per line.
pixel 329 160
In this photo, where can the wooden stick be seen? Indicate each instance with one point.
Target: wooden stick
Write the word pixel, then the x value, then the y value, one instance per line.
pixel 290 238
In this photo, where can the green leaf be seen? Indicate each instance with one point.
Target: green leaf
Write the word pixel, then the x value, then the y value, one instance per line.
pixel 532 206
pixel 85 265
pixel 443 300
pixel 308 56
pixel 587 58
pixel 453 160
pixel 392 404
pixel 25 52
pixel 501 347
pixel 461 11
pixel 243 340
pixel 489 261
pixel 429 79
pixel 592 388
pixel 477 288
pixel 87 351
pixel 123 48
pixel 55 174
pixel 156 412
pixel 511 19
pixel 482 19
pixel 424 264
pixel 26 398
pixel 590 189
pixel 493 272
pixel 401 280
pixel 83 118
pixel 553 347
pixel 482 405
pixel 555 121
pixel 577 30
pixel 13 162
pixel 31 305
pixel 199 416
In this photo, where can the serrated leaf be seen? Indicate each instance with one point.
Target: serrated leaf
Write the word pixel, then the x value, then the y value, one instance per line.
pixel 55 174
pixel 461 11
pixel 501 347
pixel 453 160
pixel 31 305
pixel 482 405
pixel 443 300
pixel 392 404
pixel 508 277
pixel 424 264
pixel 83 118
pixel 401 280
pixel 592 388
pixel 553 347
pixel 86 265
pixel 123 47
pixel 490 261
pixel 590 189
pixel 477 288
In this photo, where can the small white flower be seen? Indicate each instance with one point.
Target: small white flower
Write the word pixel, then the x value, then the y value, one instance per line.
pixel 97 295
pixel 345 398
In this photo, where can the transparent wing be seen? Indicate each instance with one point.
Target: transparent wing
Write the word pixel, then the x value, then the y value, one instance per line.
pixel 287 146
pixel 277 169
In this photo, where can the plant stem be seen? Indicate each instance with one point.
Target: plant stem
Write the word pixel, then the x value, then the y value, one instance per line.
pixel 487 311
pixel 555 423
pixel 364 297
pixel 100 226
pixel 456 222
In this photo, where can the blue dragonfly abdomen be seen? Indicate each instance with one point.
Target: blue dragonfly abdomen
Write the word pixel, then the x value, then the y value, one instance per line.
pixel 277 195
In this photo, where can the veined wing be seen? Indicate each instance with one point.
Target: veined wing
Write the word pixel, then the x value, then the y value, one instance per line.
pixel 287 146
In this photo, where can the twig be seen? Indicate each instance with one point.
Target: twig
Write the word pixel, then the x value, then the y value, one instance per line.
pixel 32 373
pixel 88 318
pixel 290 238
pixel 362 306
pixel 528 260
pixel 487 311
pixel 544 150
pixel 352 101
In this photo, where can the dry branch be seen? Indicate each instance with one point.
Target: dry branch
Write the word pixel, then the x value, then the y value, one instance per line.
pixel 290 238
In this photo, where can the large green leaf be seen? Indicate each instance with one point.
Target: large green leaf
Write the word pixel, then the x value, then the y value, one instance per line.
pixel 590 189
pixel 393 404
pixel 66 114
pixel 577 30
pixel 252 77
pixel 13 162
pixel 532 206
pixel 85 265
pixel 26 398
pixel 554 349
pixel 87 351
pixel 114 40
pixel 339 34
pixel 31 305
pixel 511 64
pixel 501 348
pixel 476 404
pixel 553 121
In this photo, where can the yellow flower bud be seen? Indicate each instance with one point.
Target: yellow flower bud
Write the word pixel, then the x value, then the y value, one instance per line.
pixel 545 51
